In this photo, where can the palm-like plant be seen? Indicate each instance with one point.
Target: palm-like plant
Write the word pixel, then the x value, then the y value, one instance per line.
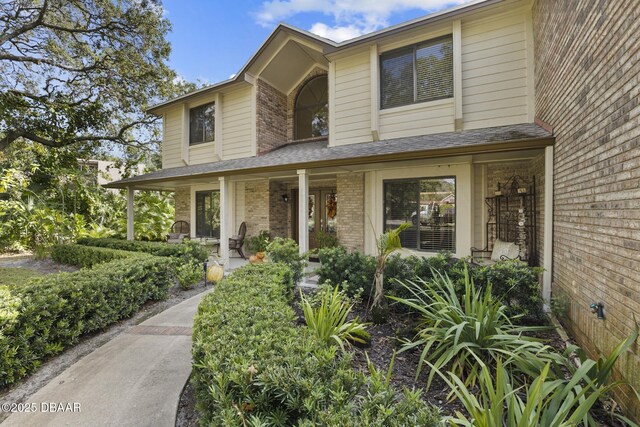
pixel 329 320
pixel 387 243
pixel 467 334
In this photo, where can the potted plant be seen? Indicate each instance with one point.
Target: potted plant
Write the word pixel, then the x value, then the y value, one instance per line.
pixel 258 245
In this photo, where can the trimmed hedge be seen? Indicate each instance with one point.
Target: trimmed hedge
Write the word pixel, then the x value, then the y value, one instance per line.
pixel 41 318
pixel 513 282
pixel 253 366
pixel 187 251
pixel 86 256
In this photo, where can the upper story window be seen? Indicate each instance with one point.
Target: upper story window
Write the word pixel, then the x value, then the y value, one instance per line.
pixel 419 73
pixel 202 123
pixel 312 109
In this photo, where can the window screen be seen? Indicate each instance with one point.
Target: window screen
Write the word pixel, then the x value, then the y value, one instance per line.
pixel 429 206
pixel 208 214
pixel 202 124
pixel 416 74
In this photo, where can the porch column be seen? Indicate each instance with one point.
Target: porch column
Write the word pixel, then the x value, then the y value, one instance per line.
pixel 225 219
pixel 130 194
pixel 547 276
pixel 303 211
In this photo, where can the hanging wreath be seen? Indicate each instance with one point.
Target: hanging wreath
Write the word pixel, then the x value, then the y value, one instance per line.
pixel 332 206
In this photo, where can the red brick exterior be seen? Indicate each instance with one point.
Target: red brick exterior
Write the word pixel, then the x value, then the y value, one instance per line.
pixel 587 83
pixel 271 117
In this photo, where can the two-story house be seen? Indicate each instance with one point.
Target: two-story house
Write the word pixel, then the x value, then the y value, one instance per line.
pixel 423 122
pixel 445 122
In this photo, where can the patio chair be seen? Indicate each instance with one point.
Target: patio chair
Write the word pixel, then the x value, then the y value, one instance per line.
pixel 502 251
pixel 178 232
pixel 236 242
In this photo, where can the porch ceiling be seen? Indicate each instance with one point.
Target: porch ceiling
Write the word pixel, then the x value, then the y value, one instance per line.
pixel 320 155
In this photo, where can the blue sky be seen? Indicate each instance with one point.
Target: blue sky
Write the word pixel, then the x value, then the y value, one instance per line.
pixel 212 39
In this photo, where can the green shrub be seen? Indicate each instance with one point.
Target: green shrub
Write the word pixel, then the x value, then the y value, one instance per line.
pixel 516 284
pixel 42 317
pixel 253 366
pixel 328 320
pixel 86 256
pixel 186 251
pixel 338 266
pixel 259 242
pixel 465 333
pixel 188 274
pixel 286 251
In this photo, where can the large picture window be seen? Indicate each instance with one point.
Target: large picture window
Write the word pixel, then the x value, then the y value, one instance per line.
pixel 419 73
pixel 208 214
pixel 429 205
pixel 202 124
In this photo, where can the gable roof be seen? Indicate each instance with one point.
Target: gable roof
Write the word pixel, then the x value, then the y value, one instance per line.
pixel 319 154
pixel 329 46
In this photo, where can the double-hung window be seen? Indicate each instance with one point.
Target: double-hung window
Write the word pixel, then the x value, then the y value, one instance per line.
pixel 202 124
pixel 419 73
pixel 429 206
pixel 208 213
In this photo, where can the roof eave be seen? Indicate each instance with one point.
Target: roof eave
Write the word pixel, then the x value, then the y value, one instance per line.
pixel 490 147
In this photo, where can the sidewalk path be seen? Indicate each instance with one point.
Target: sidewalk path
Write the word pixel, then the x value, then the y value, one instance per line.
pixel 133 380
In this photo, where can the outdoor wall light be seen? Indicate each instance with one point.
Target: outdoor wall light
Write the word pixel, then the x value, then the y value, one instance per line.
pixel 285 198
pixel 597 308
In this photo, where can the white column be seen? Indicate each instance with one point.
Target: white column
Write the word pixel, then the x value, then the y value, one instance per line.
pixel 547 276
pixel 130 194
pixel 303 210
pixel 224 218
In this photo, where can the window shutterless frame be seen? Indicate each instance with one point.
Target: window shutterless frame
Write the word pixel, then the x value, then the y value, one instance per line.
pixel 397 53
pixel 203 117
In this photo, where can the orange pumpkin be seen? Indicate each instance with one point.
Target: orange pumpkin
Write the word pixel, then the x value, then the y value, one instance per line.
pixel 253 259
pixel 260 255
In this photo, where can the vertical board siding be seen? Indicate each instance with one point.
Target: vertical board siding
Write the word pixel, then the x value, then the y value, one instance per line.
pixel 494 72
pixel 237 124
pixel 353 99
pixel 172 138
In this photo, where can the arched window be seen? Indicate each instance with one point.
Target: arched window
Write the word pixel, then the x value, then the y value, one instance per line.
pixel 312 109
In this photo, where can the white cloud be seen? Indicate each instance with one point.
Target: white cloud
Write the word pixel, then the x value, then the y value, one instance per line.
pixel 336 33
pixel 350 18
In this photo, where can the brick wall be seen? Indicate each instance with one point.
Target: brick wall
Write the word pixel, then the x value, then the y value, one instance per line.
pixel 256 208
pixel 271 117
pixel 182 201
pixel 351 218
pixel 279 210
pixel 291 99
pixel 587 82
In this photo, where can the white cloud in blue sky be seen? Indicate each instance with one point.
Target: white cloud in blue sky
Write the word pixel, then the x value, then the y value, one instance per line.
pixel 349 18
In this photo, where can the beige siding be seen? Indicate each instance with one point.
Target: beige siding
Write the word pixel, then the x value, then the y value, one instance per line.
pixel 237 124
pixel 353 99
pixel 202 153
pixel 417 119
pixel 172 138
pixel 494 72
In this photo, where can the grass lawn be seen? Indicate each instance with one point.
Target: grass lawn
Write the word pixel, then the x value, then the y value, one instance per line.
pixel 15 276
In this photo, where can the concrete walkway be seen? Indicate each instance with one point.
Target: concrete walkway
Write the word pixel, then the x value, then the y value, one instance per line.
pixel 133 380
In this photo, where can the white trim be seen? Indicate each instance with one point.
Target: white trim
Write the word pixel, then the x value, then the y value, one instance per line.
pixel 531 97
pixel 304 76
pixel 130 198
pixel 457 73
pixel 184 151
pixel 254 114
pixel 218 125
pixel 374 92
pixel 225 218
pixel 331 81
pixel 547 276
pixel 303 210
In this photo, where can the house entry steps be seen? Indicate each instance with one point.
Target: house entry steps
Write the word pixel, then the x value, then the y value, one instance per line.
pixel 133 380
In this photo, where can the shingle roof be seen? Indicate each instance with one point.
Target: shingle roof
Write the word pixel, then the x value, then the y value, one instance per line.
pixel 317 154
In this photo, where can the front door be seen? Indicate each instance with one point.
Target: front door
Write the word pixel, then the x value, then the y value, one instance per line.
pixel 323 210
